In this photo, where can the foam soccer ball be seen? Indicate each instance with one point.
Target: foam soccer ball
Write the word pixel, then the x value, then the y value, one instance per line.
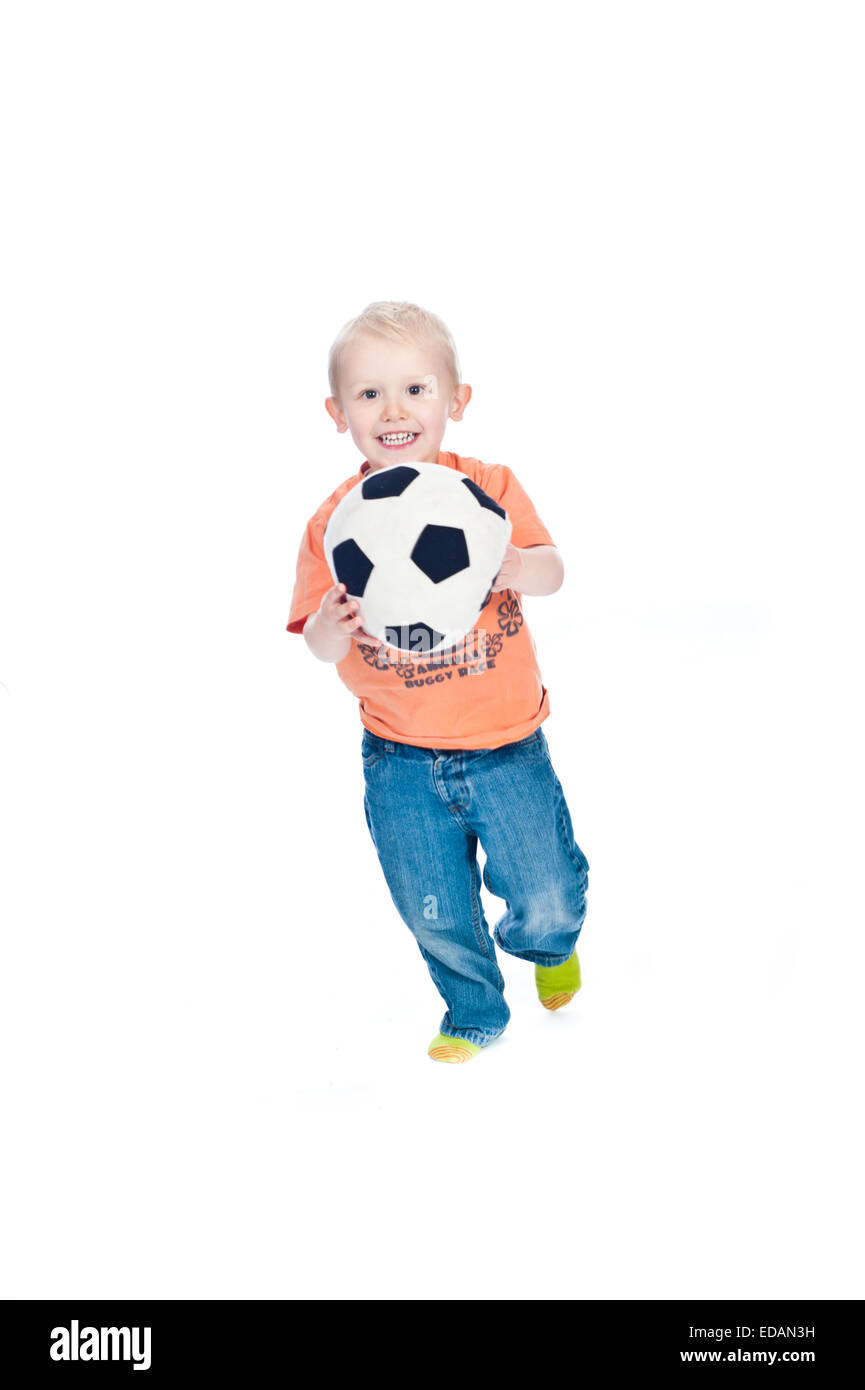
pixel 419 546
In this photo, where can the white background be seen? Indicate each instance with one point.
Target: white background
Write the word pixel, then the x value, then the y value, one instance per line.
pixel 644 225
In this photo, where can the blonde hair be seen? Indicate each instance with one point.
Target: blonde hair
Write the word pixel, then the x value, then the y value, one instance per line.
pixel 394 319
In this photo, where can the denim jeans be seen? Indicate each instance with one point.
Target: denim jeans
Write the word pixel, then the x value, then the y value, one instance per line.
pixel 426 809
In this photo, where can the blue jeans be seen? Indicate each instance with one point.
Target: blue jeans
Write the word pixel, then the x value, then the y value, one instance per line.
pixel 426 809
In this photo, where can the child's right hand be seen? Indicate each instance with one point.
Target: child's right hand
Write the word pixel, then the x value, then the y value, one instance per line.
pixel 337 615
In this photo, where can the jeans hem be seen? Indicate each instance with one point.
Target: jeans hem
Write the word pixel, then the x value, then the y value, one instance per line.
pixel 536 957
pixel 472 1035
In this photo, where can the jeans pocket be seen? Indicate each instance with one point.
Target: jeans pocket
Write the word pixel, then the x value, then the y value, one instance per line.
pixel 534 737
pixel 373 749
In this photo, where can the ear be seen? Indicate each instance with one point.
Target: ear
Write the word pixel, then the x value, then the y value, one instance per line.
pixel 461 397
pixel 331 405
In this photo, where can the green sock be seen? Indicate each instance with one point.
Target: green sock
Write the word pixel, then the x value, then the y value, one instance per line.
pixel 445 1049
pixel 557 984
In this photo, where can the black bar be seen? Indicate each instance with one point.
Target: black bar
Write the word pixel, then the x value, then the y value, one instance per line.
pixel 239 1341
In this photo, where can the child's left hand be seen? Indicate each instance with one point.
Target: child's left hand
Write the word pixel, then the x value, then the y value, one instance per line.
pixel 512 567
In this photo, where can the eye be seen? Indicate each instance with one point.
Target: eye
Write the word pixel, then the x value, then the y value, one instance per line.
pixel 368 393
pixel 419 389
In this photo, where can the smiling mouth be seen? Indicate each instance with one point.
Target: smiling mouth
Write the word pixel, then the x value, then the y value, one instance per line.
pixel 397 440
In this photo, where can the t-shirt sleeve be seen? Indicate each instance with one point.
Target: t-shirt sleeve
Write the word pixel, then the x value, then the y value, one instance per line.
pixel 526 526
pixel 313 577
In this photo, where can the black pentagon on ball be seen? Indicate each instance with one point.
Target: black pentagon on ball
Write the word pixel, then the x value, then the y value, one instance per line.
pixel 483 498
pixel 353 568
pixel 391 482
pixel 413 637
pixel 441 551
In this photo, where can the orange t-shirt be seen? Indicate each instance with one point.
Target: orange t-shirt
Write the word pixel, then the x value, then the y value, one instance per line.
pixel 482 693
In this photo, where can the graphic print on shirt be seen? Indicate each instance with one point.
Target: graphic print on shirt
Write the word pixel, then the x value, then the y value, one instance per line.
pixel 474 657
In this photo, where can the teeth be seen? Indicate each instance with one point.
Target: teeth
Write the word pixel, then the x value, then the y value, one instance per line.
pixel 396 438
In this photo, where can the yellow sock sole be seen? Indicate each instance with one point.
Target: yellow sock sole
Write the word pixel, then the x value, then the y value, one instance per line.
pixel 556 1001
pixel 445 1049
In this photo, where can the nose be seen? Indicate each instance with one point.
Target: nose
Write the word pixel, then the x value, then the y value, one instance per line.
pixel 394 410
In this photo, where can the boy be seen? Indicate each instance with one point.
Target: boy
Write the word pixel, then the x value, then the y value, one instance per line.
pixel 452 750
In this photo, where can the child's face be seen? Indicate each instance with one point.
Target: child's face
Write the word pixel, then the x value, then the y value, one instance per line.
pixel 388 390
